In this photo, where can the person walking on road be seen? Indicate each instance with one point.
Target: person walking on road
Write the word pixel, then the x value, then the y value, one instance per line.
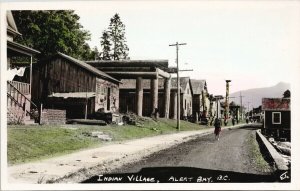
pixel 217 125
pixel 233 121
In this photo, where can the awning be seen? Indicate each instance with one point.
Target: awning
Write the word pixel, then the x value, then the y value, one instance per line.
pixel 73 95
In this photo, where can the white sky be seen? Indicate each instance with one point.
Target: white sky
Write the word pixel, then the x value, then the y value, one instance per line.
pixel 255 44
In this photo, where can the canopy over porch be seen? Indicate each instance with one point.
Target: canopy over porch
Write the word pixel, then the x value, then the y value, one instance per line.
pixel 19 64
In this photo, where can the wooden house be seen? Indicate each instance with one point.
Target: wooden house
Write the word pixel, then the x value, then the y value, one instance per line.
pixel 277 116
pixel 20 108
pixel 186 97
pixel 199 98
pixel 63 82
pixel 141 73
pixel 128 100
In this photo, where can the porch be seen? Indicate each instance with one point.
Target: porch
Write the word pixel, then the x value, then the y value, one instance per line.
pixel 20 108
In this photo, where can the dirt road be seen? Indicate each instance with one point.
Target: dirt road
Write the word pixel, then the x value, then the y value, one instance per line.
pixel 233 152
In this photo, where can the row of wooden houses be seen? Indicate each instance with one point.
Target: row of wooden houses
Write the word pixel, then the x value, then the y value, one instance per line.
pixel 82 88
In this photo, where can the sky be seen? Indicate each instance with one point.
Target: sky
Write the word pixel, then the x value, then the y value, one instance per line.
pixel 254 44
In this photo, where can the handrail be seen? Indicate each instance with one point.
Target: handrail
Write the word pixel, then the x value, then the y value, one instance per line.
pixel 20 105
pixel 21 86
pixel 31 112
pixel 12 98
pixel 21 94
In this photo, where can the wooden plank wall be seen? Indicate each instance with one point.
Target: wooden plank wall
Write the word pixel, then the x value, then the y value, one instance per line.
pixel 63 76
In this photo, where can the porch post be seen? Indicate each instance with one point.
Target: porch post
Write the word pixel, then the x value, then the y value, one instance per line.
pixel 154 96
pixel 167 97
pixel 139 96
pixel 174 105
pixel 30 75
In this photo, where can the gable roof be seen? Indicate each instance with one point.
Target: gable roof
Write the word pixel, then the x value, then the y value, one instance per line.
pixel 277 104
pixel 183 82
pixel 88 67
pixel 198 85
pixel 11 25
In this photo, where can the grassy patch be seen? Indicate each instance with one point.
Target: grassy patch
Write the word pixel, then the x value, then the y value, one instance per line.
pixel 29 143
pixel 261 164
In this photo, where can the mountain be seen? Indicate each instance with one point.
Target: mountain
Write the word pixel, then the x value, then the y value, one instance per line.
pixel 254 96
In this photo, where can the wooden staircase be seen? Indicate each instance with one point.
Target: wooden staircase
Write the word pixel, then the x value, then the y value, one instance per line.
pixel 20 109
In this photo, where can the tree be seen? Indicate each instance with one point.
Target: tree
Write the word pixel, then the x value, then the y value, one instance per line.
pixel 88 53
pixel 95 53
pixel 116 32
pixel 287 94
pixel 105 44
pixel 52 31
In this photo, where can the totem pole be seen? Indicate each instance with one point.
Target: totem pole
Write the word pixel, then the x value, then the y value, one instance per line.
pixel 226 113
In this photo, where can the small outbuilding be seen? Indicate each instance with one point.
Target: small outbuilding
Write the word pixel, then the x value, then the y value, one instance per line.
pixel 277 117
pixel 63 82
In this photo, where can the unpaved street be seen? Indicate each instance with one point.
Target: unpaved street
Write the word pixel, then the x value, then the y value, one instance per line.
pixel 234 152
pixel 231 153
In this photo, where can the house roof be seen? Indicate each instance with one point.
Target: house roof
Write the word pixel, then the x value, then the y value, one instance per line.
pixel 183 82
pixel 277 104
pixel 131 84
pixel 21 48
pixel 198 85
pixel 163 64
pixel 11 25
pixel 88 67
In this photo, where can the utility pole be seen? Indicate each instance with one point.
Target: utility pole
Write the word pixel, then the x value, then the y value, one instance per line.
pixel 178 84
pixel 241 99
pixel 248 106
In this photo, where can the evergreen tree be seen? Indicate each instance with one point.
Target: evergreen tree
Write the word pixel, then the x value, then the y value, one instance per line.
pixel 116 32
pixel 95 53
pixel 105 44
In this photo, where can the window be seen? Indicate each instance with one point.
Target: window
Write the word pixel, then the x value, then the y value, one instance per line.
pixel 276 118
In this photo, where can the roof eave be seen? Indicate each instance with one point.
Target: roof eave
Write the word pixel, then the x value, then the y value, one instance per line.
pixel 97 74
pixel 21 48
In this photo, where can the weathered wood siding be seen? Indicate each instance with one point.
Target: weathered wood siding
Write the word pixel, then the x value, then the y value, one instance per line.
pixel 127 101
pixel 60 75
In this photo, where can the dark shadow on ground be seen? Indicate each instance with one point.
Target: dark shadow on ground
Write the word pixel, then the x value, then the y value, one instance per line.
pixel 187 175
